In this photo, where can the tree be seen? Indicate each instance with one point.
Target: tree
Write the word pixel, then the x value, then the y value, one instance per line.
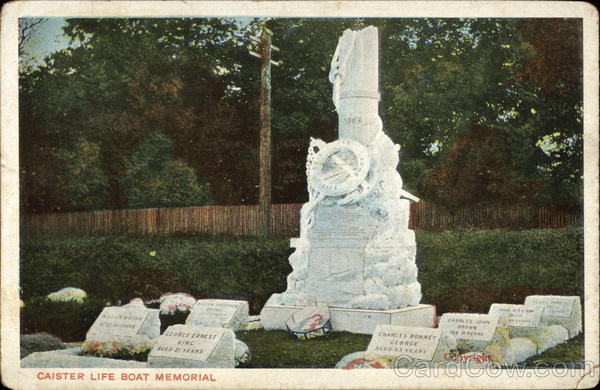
pixel 553 104
pixel 193 81
pixel 153 179
pixel 27 29
pixel 71 179
pixel 126 76
pixel 479 170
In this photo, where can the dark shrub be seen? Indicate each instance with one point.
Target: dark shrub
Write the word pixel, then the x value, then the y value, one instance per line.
pixel 69 321
pixel 117 269
pixel 39 342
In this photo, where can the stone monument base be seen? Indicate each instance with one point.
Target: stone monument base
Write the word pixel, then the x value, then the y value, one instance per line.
pixel 273 317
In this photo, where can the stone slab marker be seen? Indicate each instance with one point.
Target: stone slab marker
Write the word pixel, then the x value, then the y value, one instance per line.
pixel 407 342
pixel 559 310
pixel 224 313
pixel 190 346
pixel 355 250
pixel 124 323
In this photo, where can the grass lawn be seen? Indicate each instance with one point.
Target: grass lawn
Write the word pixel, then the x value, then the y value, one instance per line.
pixel 571 351
pixel 277 349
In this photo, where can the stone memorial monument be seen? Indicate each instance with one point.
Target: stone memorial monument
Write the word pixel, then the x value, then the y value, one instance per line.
pixel 355 250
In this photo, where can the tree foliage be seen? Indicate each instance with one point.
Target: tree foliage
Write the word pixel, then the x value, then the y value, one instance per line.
pixel 153 179
pixel 478 170
pixel 125 82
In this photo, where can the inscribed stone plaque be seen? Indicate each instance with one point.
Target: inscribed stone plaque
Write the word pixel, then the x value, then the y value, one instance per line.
pixel 518 315
pixel 219 312
pixel 395 341
pixel 126 321
pixel 342 227
pixel 555 306
pixel 193 346
pixel 469 326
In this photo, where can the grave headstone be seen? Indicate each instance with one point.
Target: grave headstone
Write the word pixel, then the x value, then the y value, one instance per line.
pixel 410 344
pixel 355 250
pixel 224 313
pixel 518 316
pixel 130 328
pixel 126 322
pixel 482 333
pixel 559 310
pixel 311 321
pixel 191 346
pixel 526 322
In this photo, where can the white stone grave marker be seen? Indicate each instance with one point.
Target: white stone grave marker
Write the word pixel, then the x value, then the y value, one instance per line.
pixel 224 313
pixel 189 346
pixel 125 322
pixel 519 316
pixel 559 310
pixel 470 326
pixel 525 322
pixel 394 341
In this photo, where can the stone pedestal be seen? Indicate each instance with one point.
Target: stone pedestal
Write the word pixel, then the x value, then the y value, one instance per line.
pixel 273 317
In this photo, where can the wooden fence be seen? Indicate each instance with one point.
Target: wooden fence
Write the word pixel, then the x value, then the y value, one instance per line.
pixel 242 221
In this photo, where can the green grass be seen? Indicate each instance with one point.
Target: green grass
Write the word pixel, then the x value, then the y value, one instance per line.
pixel 568 352
pixel 278 349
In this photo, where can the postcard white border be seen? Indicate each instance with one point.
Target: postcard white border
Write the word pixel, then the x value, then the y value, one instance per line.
pixel 16 377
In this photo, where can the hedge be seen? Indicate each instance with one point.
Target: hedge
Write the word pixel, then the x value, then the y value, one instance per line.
pixel 460 271
pixel 117 269
pixel 468 270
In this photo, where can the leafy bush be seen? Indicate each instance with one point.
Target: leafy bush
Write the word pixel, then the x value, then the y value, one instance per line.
pixel 69 321
pixel 39 342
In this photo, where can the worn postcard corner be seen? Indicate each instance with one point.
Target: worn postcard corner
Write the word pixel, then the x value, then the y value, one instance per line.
pixel 299 194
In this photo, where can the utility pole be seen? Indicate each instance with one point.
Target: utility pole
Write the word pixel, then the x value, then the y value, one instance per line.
pixel 264 195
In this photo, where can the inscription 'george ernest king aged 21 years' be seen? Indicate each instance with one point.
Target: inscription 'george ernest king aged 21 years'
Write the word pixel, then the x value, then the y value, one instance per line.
pixel 190 346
